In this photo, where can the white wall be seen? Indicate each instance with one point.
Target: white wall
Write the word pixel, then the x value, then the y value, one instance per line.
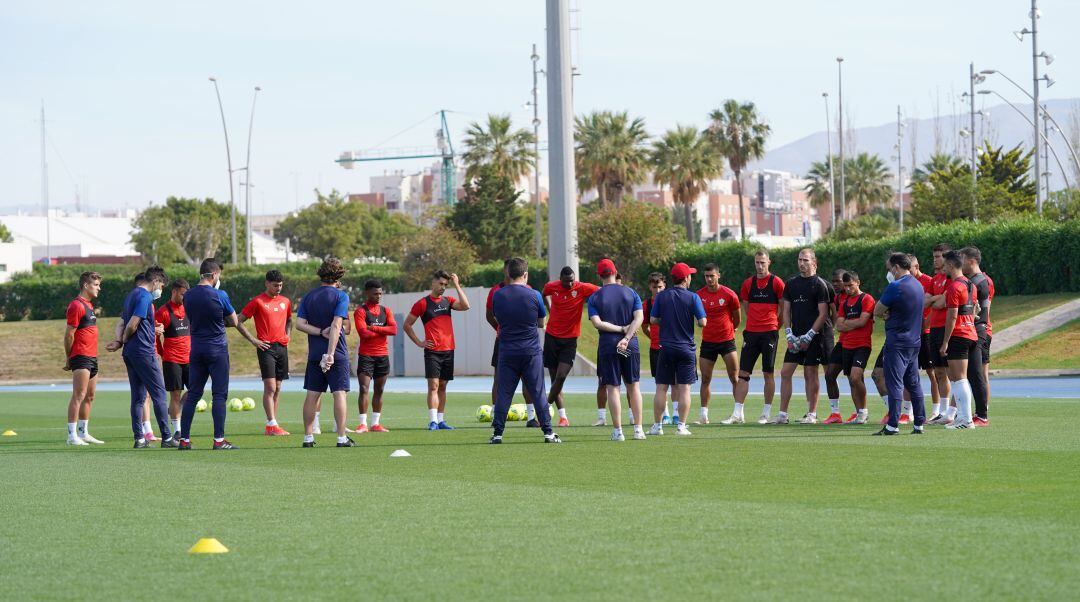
pixel 14 257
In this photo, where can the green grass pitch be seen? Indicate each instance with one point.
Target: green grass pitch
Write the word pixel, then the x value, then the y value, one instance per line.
pixel 750 512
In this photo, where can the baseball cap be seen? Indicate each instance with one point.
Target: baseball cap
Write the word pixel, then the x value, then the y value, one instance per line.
pixel 681 270
pixel 605 267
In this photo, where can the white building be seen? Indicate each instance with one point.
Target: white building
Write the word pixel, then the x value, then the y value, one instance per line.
pixel 72 235
pixel 14 258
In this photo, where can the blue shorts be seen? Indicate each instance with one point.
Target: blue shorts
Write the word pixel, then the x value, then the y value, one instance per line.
pixel 677 367
pixel 614 369
pixel 335 379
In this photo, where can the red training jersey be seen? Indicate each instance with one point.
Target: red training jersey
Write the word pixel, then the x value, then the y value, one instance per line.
pixel 566 307
pixel 852 308
pixel 270 314
pixel 81 317
pixel 961 295
pixel 374 323
pixel 762 297
pixel 654 329
pixel 927 286
pixel 721 311
pixel 989 324
pixel 488 305
pixel 938 284
pixel 434 312
pixel 175 345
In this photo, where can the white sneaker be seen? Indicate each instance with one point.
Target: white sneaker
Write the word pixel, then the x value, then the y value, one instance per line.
pixel 702 420
pixel 600 422
pixel 939 419
pixel 861 419
pixel 87 437
pixel 808 419
pixel 617 436
pixel 733 419
pixel 75 440
pixel 639 435
pixel 682 430
pixel 763 419
pixel 957 425
pixel 780 419
pixel 316 429
pixel 656 430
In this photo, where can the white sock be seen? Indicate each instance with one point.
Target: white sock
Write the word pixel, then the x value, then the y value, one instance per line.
pixel 665 414
pixel 147 428
pixel 216 440
pixel 738 409
pixel 638 428
pixel 433 415
pixel 950 413
pixel 71 429
pixel 81 428
pixel 905 408
pixel 562 412
pixel 335 424
pixel 618 429
pixel 631 414
pixel 863 412
pixel 674 410
pixel 937 408
pixel 962 390
pixel 271 423
pixel 944 403
pixel 176 426
pixel 363 419
pixel 309 438
pixel 834 406
pixel 342 439
pixel 375 417
pixel 704 413
pixel 781 414
pixel 766 410
pixel 440 417
pixel 316 418
pixel 601 414
pixel 530 411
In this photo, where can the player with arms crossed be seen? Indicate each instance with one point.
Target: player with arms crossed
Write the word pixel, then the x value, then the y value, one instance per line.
pixel 80 348
pixel 272 312
pixel 374 323
pixel 761 294
pixel 855 323
pixel 565 299
pixel 718 337
pixel 935 300
pixel 174 345
pixel 438 344
pixel 805 314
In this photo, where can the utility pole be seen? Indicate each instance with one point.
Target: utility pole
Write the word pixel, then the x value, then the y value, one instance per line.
pixel 228 158
pixel 974 159
pixel 900 166
pixel 1046 151
pixel 1035 97
pixel 45 190
pixel 832 184
pixel 562 200
pixel 536 149
pixel 247 180
pixel 840 125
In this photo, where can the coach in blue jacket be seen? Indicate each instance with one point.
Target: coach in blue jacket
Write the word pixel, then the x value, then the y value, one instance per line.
pixel 901 305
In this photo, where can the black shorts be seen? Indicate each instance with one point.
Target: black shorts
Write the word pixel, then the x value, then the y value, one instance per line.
pixel 858 357
pixel 274 362
pixel 176 376
pixel 84 362
pixel 984 341
pixel 924 352
pixel 960 348
pixel 711 351
pixel 814 355
pixel 439 364
pixel 374 366
pixel 836 356
pixel 495 353
pixel 654 360
pixel 755 344
pixel 558 351
pixel 937 337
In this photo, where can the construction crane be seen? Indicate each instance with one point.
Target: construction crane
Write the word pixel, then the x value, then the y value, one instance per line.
pixel 444 149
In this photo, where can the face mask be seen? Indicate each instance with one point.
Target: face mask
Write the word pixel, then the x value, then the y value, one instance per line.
pixel 157 294
pixel 890 277
pixel 217 283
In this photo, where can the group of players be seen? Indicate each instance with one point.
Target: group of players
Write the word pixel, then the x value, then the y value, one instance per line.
pixel 173 350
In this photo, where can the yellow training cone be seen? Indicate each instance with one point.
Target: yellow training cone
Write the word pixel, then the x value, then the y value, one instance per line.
pixel 9 433
pixel 208 545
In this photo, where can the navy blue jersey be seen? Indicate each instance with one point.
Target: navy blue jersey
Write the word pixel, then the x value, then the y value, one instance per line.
pixel 678 310
pixel 517 308
pixel 319 307
pixel 139 302
pixel 614 304
pixel 904 298
pixel 206 308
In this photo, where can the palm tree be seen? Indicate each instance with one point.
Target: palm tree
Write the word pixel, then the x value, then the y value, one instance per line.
pixel 609 153
pixel 939 163
pixel 685 160
pixel 867 182
pixel 739 135
pixel 818 191
pixel 509 152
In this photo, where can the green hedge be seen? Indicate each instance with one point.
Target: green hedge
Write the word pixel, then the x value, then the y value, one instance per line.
pixel 1024 256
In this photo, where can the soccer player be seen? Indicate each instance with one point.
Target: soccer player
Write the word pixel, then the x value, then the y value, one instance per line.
pixel 322 314
pixel 174 343
pixel 675 310
pixel 901 306
pixel 209 311
pixel 978 373
pixel 834 351
pixel 565 299
pixel 761 294
pixel 438 343
pixel 656 285
pixel 520 311
pixel 374 323
pixel 805 315
pixel 272 312
pixel 80 348
pixel 718 337
pixel 616 312
pixel 855 323
pixel 135 332
pixel 489 315
pixel 961 346
pixel 935 300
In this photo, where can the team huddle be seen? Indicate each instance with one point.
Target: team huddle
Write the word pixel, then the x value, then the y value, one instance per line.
pixel 940 324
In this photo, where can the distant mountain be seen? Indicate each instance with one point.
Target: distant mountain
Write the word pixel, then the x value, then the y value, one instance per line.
pixel 1003 127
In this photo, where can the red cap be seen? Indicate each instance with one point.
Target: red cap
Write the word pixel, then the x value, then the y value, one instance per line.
pixel 606 267
pixel 679 271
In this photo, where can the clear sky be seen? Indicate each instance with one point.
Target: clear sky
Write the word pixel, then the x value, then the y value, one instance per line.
pixel 133 117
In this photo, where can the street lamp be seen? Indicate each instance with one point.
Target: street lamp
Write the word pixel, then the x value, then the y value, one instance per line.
pixel 832 184
pixel 1034 15
pixel 840 127
pixel 228 158
pixel 1041 135
pixel 247 178
pixel 1060 130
